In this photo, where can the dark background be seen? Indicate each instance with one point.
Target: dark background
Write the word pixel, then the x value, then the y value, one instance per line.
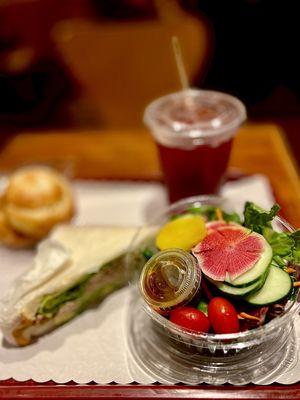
pixel 253 55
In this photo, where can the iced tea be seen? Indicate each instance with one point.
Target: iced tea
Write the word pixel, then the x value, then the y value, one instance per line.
pixel 194 131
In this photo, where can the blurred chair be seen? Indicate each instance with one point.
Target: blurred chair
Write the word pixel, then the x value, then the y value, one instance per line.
pixel 122 66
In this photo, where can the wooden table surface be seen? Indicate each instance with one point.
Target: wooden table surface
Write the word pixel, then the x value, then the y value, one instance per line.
pixel 132 155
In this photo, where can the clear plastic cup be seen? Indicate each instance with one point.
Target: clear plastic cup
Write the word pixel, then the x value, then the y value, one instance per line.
pixel 193 130
pixel 172 354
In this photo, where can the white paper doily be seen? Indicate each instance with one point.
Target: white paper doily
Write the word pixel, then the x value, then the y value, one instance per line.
pixel 92 347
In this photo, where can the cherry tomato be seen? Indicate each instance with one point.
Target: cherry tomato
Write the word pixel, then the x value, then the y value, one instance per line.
pixel 223 316
pixel 190 318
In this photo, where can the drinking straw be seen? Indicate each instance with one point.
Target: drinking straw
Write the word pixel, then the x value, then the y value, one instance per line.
pixel 179 63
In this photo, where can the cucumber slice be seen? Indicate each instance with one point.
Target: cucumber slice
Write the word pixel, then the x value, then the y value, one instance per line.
pixel 249 277
pixel 277 286
pixel 240 291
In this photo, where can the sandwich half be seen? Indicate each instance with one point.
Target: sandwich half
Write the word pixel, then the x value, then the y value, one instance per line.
pixel 73 269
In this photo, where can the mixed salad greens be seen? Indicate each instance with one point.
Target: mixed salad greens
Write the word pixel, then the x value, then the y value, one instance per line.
pixel 249 270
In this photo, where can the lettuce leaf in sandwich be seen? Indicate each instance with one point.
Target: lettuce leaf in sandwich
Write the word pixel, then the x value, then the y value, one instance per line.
pixel 74 268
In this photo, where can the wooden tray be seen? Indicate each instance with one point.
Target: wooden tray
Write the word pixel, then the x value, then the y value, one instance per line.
pixel 258 148
pixel 132 155
pixel 30 390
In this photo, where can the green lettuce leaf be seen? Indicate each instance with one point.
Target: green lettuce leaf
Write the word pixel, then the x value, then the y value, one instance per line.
pixel 232 217
pixel 148 253
pixel 51 303
pixel 282 244
pixel 256 218
pixel 210 213
pixel 296 249
pixel 97 295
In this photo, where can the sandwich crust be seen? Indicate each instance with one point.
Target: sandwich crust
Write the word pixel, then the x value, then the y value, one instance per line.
pixel 18 332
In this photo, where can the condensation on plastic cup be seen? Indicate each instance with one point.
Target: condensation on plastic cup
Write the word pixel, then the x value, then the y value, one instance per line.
pixel 193 117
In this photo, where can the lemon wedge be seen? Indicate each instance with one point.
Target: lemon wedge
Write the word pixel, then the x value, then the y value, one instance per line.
pixel 182 233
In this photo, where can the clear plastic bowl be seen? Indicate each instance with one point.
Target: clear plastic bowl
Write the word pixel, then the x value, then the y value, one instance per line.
pixel 172 354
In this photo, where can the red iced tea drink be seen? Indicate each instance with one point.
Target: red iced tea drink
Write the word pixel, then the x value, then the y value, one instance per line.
pixel 194 131
pixel 196 171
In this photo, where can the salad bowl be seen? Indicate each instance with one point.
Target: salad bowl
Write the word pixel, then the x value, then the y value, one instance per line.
pixel 172 354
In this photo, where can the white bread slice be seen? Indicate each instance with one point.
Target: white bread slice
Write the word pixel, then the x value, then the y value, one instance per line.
pixel 69 254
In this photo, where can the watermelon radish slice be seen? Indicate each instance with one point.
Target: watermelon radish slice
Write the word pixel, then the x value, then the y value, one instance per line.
pixel 218 224
pixel 229 251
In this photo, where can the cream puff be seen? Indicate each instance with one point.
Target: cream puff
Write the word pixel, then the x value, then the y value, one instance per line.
pixel 10 237
pixel 35 200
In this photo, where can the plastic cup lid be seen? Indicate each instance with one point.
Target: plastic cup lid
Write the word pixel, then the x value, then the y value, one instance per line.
pixel 195 116
pixel 169 278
